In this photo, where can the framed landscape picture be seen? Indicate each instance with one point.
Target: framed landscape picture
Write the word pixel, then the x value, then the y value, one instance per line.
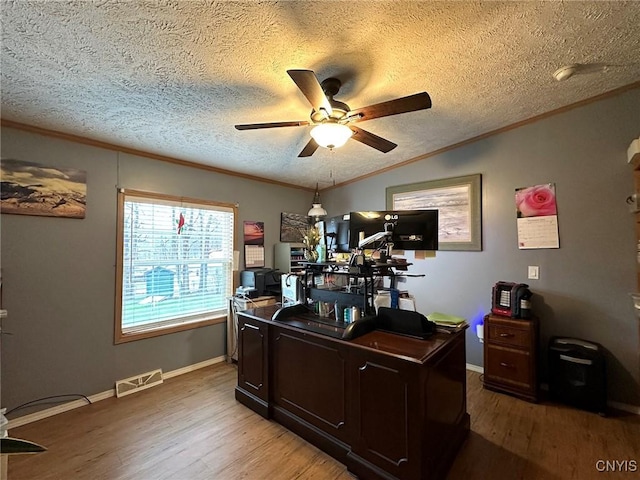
pixel 293 226
pixel 458 201
pixel 29 188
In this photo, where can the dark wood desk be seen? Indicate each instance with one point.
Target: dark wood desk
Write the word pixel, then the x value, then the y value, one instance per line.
pixel 385 405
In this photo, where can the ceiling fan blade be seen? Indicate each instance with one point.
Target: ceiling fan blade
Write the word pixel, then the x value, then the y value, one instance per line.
pixel 418 101
pixel 253 126
pixel 309 149
pixel 309 85
pixel 372 140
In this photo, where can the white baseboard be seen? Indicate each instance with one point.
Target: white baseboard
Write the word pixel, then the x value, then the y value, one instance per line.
pixel 195 366
pixel 475 368
pixel 49 412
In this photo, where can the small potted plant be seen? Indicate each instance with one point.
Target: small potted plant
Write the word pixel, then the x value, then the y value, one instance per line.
pixel 311 239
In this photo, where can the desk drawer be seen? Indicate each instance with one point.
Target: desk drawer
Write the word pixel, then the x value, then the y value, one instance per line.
pixel 508 366
pixel 507 335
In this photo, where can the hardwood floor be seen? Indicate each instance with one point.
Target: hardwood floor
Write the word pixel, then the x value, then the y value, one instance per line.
pixel 191 428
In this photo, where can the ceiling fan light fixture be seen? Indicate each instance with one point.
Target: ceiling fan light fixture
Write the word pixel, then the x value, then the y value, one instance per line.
pixel 331 134
pixel 329 117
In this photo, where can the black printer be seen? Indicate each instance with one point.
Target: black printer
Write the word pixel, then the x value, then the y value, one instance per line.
pixel 266 281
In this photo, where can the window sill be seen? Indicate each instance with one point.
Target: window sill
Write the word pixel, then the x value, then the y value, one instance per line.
pixel 142 334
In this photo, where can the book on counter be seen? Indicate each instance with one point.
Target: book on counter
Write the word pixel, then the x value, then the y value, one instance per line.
pixel 446 323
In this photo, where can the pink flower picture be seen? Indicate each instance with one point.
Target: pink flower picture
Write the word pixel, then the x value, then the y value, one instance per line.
pixel 536 201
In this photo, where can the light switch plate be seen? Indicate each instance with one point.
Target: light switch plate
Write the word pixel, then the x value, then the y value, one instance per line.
pixel 534 272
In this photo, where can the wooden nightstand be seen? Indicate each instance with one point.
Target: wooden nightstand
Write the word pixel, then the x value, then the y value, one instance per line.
pixel 511 356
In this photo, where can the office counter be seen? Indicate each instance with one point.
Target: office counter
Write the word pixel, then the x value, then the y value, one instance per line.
pixel 387 406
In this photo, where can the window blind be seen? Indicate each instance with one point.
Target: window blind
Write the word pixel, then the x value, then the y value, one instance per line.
pixel 177 260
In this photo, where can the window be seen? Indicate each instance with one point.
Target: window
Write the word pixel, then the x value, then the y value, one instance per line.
pixel 174 264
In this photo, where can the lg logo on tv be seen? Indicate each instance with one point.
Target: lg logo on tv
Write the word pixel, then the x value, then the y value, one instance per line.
pixel 617 466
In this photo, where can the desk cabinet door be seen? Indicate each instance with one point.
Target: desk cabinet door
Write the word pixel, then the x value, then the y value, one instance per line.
pixel 253 374
pixel 386 414
pixel 309 380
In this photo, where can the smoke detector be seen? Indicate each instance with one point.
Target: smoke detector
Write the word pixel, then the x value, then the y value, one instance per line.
pixel 565 72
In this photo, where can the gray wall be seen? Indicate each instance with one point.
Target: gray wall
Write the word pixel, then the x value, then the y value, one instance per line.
pixel 59 274
pixel 584 286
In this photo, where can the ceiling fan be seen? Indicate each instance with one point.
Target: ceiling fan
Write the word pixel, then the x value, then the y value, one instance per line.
pixel 333 120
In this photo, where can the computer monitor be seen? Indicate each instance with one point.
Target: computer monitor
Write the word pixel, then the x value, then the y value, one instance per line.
pixel 409 229
pixel 337 234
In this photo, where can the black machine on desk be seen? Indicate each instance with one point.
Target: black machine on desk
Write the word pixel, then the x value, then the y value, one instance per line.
pixel 257 282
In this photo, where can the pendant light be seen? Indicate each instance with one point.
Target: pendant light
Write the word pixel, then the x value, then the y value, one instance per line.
pixel 316 207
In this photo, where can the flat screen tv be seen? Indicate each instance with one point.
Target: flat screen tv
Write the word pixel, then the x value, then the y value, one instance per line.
pixel 410 229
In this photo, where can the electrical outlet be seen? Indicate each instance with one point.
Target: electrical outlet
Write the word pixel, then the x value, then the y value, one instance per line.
pixel 534 272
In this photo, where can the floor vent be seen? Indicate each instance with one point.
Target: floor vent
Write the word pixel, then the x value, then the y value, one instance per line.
pixel 137 383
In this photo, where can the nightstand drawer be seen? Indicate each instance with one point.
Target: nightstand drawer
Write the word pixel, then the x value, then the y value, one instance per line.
pixel 506 335
pixel 508 366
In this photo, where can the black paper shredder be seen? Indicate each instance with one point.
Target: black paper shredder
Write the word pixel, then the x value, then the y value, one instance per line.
pixel 577 373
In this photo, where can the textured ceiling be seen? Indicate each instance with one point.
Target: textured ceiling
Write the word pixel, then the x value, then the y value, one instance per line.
pixel 173 77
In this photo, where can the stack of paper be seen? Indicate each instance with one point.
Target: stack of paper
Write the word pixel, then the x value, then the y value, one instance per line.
pixel 447 323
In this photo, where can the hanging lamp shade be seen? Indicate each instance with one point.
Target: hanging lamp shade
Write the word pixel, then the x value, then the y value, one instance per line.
pixel 316 207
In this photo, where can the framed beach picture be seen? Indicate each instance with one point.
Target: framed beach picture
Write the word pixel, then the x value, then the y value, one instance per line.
pixel 458 201
pixel 253 232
